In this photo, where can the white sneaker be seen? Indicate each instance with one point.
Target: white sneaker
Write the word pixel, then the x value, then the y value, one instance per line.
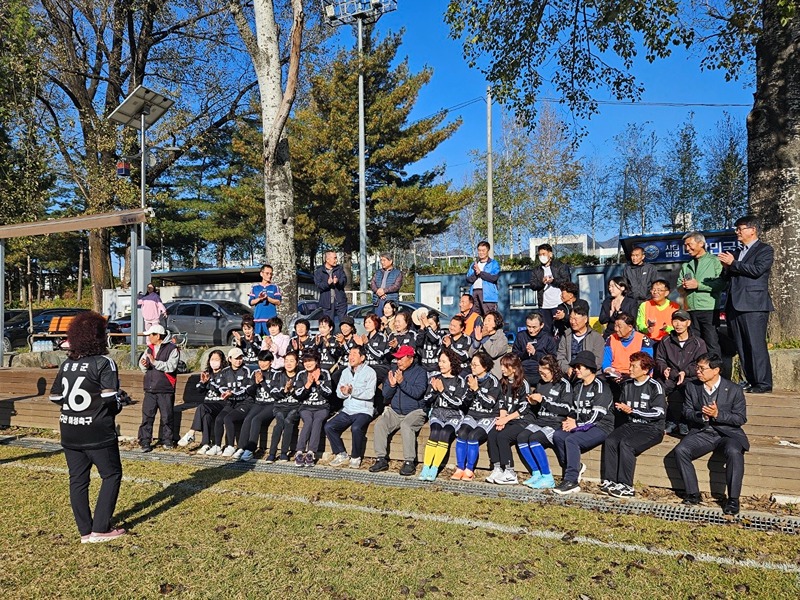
pixel 355 463
pixel 581 472
pixel 229 451
pixel 340 460
pixel 507 477
pixel 187 439
pixel 214 451
pixel 496 472
pixel 204 449
pixel 246 456
pixel 238 454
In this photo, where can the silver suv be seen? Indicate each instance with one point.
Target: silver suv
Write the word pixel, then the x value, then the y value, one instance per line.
pixel 206 322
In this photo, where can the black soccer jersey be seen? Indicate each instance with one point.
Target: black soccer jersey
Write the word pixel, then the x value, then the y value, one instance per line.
pixel 87 390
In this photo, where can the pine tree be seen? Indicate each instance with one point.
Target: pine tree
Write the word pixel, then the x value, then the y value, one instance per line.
pixel 401 206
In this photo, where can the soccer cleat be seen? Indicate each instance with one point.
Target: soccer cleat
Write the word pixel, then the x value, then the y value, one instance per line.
pixel 535 476
pixel 423 475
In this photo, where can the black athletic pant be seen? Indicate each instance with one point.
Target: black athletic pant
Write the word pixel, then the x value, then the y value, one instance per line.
pixel 109 466
pixel 313 420
pixel 203 421
pixel 703 326
pixel 358 424
pixel 484 308
pixel 623 445
pixel 164 403
pixel 251 426
pixel 699 443
pixel 286 419
pixel 500 443
pixel 228 419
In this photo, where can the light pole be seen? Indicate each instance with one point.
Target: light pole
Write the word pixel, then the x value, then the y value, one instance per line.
pixel 349 12
pixel 140 110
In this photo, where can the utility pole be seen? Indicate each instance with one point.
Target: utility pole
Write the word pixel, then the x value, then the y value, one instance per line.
pixel 489 182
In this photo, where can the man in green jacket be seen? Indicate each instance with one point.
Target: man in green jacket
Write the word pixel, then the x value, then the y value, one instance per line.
pixel 701 281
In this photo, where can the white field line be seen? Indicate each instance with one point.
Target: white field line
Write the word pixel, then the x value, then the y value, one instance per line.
pixel 448 520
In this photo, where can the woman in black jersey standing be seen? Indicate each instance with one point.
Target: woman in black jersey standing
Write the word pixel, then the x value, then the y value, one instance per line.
pixel 87 387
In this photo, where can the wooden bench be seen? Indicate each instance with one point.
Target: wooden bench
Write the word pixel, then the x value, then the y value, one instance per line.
pixel 769 467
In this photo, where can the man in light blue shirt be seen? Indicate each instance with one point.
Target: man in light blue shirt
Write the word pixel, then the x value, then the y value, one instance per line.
pixel 357 389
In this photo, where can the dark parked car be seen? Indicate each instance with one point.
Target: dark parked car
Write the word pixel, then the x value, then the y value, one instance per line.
pixel 18 329
pixel 206 322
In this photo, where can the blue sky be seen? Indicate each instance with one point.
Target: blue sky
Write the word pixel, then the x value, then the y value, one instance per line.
pixel 675 80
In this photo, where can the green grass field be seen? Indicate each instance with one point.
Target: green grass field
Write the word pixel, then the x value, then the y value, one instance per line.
pixel 215 532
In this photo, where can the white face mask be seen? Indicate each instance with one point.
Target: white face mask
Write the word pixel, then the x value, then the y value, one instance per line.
pixel 544 259
pixel 214 364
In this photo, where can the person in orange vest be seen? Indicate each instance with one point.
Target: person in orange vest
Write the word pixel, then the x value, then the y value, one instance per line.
pixel 624 342
pixel 655 315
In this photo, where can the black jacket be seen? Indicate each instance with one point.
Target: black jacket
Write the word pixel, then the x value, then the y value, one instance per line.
pixel 561 276
pixel 730 404
pixel 670 355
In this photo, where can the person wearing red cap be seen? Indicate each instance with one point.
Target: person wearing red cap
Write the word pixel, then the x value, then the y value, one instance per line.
pixel 404 394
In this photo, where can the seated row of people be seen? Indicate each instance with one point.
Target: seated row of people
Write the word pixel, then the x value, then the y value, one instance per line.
pixel 470 408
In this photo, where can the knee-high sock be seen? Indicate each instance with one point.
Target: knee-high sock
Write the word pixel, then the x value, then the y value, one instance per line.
pixel 461 453
pixel 430 452
pixel 473 447
pixel 438 455
pixel 525 451
pixel 541 458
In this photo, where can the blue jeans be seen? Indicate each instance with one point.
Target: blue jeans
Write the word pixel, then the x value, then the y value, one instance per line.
pixel 359 423
pixel 569 446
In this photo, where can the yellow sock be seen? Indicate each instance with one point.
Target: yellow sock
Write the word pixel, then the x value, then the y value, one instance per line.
pixel 441 450
pixel 430 449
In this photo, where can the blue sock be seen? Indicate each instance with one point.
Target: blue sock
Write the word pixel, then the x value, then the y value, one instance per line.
pixel 541 458
pixel 525 451
pixel 473 448
pixel 461 453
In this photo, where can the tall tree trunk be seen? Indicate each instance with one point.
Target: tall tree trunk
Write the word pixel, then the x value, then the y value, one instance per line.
pixel 773 162
pixel 99 272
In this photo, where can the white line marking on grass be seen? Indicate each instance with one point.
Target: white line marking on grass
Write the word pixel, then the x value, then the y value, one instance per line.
pixel 448 520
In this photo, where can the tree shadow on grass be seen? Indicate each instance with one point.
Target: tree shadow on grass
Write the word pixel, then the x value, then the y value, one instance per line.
pixel 42 454
pixel 179 491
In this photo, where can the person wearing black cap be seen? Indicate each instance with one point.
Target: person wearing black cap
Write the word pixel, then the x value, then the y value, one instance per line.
pixel 404 393
pixel 643 408
pixel 715 410
pixel 588 424
pixel 676 360
pixel 345 341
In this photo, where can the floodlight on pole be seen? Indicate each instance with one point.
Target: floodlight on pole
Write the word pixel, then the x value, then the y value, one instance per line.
pixel 358 12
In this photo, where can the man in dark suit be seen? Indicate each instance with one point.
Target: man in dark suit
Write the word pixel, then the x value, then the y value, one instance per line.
pixel 714 409
pixel 748 305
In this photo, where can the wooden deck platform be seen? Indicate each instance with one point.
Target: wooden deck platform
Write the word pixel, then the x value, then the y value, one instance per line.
pixel 769 466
